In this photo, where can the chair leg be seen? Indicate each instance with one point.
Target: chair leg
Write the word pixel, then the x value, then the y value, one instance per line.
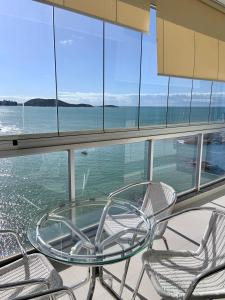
pixel 124 276
pixel 165 242
pixel 138 283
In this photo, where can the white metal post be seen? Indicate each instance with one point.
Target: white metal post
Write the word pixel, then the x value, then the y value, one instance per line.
pixel 199 161
pixel 150 159
pixel 71 174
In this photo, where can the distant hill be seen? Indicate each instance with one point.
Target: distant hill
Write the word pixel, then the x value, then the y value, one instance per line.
pixel 52 102
pixel 8 103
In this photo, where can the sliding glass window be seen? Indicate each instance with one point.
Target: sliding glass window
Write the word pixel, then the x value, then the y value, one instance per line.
pixel 201 94
pixel 100 171
pixel 213 162
pixel 179 100
pixel 175 162
pixel 217 107
pixel 27 90
pixel 79 60
pixel 29 185
pixel 154 88
pixel 122 76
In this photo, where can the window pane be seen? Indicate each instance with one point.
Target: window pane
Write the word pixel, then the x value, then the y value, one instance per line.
pixel 213 162
pixel 154 88
pixel 175 162
pixel 179 100
pixel 79 54
pixel 29 184
pixel 100 171
pixel 27 68
pixel 200 100
pixel 122 74
pixel 217 108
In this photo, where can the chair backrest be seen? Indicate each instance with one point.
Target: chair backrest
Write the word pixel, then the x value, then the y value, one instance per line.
pixel 213 243
pixel 211 254
pixel 158 202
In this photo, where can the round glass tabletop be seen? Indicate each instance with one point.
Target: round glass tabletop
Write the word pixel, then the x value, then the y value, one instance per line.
pixel 93 233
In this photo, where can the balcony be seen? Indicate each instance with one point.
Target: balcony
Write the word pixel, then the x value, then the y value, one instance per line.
pixel 182 234
pixel 89 112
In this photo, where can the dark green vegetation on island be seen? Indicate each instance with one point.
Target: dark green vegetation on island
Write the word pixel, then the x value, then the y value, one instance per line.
pixel 8 103
pixel 41 102
pixel 53 102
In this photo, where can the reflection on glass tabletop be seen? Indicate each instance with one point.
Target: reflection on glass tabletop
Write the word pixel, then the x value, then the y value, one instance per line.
pixel 91 233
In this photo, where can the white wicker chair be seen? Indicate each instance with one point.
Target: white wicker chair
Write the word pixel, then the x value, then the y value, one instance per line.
pixel 158 202
pixel 190 274
pixel 30 277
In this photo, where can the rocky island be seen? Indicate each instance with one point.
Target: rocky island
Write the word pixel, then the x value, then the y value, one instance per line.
pixel 44 102
pixel 8 103
pixel 52 103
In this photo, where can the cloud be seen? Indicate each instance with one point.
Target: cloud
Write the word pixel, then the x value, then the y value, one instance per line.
pixel 125 99
pixel 147 99
pixel 97 98
pixel 18 98
pixel 66 42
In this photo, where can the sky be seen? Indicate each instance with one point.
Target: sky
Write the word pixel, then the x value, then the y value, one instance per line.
pixel 27 59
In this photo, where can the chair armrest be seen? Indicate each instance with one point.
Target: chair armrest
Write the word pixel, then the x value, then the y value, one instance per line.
pixel 15 234
pixel 182 212
pixel 65 290
pixel 24 282
pixel 126 188
pixel 138 184
pixel 208 272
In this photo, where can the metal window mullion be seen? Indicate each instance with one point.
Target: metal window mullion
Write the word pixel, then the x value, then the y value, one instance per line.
pixel 103 76
pixel 55 69
pixel 140 81
pixel 199 161
pixel 71 174
pixel 167 101
pixel 190 109
pixel 150 160
pixel 210 103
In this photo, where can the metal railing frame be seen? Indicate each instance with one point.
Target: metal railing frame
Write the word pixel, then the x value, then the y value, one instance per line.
pixel 34 145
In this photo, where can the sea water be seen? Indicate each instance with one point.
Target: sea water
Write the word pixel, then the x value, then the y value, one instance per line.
pixel 29 184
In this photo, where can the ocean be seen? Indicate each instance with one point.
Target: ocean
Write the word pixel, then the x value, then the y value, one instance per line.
pixel 31 183
pixel 25 119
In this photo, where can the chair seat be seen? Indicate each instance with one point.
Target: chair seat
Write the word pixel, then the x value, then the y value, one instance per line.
pixel 34 266
pixel 117 223
pixel 172 272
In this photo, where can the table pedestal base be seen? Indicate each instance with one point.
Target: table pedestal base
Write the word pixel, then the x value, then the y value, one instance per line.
pixel 97 272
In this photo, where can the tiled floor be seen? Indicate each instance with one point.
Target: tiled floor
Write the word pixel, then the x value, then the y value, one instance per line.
pixel 192 227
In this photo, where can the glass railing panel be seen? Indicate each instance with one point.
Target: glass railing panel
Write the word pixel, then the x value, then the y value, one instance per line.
pixel 201 94
pixel 174 162
pixel 79 58
pixel 122 74
pixel 27 92
pixel 154 88
pixel 213 163
pixel 217 107
pixel 28 185
pixel 100 171
pixel 179 100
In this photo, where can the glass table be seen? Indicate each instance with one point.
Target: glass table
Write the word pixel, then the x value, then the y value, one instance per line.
pixel 93 234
